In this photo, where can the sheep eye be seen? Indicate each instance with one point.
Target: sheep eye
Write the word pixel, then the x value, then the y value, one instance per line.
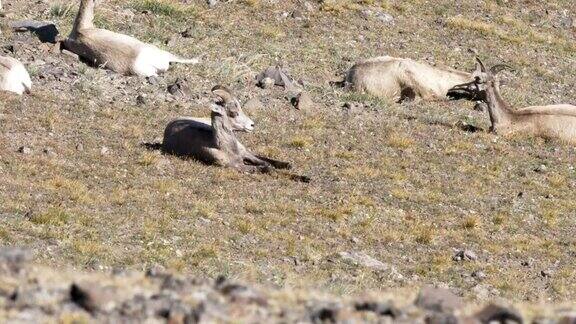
pixel 233 114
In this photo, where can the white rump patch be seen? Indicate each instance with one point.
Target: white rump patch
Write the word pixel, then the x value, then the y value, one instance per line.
pixel 151 61
pixel 18 80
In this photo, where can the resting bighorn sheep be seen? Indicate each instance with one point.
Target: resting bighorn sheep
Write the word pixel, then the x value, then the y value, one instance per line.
pixel 217 144
pixel 403 79
pixel 553 121
pixel 13 76
pixel 117 52
pixel 240 122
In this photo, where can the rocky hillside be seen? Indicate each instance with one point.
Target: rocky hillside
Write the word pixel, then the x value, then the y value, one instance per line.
pixel 401 197
pixel 34 294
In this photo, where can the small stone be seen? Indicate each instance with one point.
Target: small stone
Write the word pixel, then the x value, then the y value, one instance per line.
pixel 381 309
pixel 541 168
pixel 325 314
pixel 385 18
pixel 479 275
pixel 152 80
pixel 465 255
pixel 48 151
pixel 212 3
pixel 494 313
pixel 91 297
pixel 179 88
pixel 187 33
pixel 438 299
pixel 547 273
pixel 104 150
pixel 140 100
pixel 24 150
pixel 267 83
pixel 302 101
pixel 298 15
pixel 79 147
pixel 441 318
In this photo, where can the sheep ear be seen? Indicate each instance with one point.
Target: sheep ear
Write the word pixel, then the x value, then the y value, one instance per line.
pixel 217 109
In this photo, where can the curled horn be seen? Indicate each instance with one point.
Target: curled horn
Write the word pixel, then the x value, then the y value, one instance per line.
pixel 499 68
pixel 482 67
pixel 222 92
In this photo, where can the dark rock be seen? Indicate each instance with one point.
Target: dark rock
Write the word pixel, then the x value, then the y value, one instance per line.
pixel 91 297
pixel 45 31
pixel 302 101
pixel 140 100
pixel 441 318
pixel 327 314
pixel 24 150
pixel 494 313
pixel 179 88
pixel 438 299
pixel 546 273
pixel 152 80
pixel 381 309
pixel 465 255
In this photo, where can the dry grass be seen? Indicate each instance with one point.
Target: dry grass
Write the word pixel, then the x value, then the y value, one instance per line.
pixel 406 191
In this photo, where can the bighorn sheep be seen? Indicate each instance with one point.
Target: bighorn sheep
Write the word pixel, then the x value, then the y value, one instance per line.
pixel 13 76
pixel 117 52
pixel 240 122
pixel 217 144
pixel 553 121
pixel 403 79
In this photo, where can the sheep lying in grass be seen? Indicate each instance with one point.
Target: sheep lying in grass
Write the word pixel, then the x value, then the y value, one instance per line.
pixel 117 52
pixel 403 79
pixel 216 144
pixel 553 121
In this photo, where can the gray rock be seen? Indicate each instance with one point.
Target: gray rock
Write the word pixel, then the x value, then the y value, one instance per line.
pixel 495 313
pixel 24 150
pixel 385 18
pixel 465 255
pixel 541 169
pixel 266 83
pixel 438 299
pixel 479 275
pixel 91 297
pixel 302 101
pixel 212 3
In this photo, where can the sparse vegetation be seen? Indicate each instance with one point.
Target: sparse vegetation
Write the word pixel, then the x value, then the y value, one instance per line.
pixel 401 183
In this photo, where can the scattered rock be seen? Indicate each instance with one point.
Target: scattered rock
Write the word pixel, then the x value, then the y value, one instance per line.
pixel 152 80
pixel 48 151
pixel 362 259
pixel 326 314
pixel 140 101
pixel 385 18
pixel 381 309
pixel 302 101
pixel 546 273
pixel 79 147
pixel 541 169
pixel 266 83
pixel 298 15
pixel 494 313
pixel 352 106
pixel 212 3
pixel 187 33
pixel 104 150
pixel 465 255
pixel 91 297
pixel 46 31
pixel 438 300
pixel 24 150
pixel 441 318
pixel 468 127
pixel 179 88
pixel 479 275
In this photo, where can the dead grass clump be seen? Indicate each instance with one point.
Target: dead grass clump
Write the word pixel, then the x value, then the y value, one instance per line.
pixel 53 216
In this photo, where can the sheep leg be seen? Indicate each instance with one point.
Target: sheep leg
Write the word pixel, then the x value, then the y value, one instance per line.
pixel 253 168
pixel 275 163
